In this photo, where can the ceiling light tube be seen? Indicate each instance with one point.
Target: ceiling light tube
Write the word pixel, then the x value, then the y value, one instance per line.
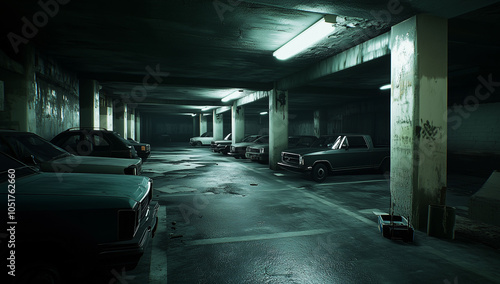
pixel 263 113
pixel 307 38
pixel 385 87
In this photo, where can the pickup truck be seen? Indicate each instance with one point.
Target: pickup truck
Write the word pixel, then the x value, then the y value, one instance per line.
pixel 347 152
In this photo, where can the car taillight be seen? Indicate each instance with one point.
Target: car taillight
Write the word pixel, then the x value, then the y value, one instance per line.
pixel 143 148
pixel 128 222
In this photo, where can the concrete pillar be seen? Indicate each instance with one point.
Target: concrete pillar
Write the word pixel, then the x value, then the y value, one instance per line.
pixel 218 126
pixel 130 123
pixel 120 118
pixel 195 126
pixel 237 123
pixel 19 92
pixel 278 126
pixel 106 112
pixel 138 126
pixel 418 116
pixel 320 123
pixel 89 103
pixel 203 124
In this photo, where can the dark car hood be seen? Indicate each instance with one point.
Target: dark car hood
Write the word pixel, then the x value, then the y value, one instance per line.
pixel 304 151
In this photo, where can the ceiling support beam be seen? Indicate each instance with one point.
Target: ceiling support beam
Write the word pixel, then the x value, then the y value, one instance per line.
pixel 105 78
pixel 369 50
pixel 253 97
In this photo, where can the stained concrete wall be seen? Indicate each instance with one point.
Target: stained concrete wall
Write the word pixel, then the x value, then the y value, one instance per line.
pixel 474 131
pixel 179 128
pixel 366 116
pixel 40 95
pixel 301 123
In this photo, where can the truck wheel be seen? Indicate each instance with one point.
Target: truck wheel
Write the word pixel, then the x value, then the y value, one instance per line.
pixel 319 172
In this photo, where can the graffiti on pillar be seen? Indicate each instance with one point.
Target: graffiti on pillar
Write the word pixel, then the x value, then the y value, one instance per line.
pixel 428 131
pixel 281 99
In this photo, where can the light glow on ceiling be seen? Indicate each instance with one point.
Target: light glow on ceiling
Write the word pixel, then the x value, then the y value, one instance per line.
pixel 307 38
pixel 233 95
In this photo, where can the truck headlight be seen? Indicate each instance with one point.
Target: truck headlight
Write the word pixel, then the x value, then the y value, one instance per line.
pixel 262 150
pixel 128 222
pixel 301 160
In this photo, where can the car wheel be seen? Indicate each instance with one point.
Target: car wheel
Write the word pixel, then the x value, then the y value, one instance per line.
pixel 197 144
pixel 319 172
pixel 385 167
pixel 40 274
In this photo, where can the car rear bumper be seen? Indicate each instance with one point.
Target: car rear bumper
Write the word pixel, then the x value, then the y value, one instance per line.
pixel 126 254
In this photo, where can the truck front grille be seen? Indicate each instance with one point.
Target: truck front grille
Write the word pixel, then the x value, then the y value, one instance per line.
pixel 290 158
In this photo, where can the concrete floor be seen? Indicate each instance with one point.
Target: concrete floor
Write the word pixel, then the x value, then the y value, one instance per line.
pixel 235 221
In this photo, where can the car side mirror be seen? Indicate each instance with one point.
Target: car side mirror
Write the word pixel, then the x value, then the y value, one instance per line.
pixel 30 160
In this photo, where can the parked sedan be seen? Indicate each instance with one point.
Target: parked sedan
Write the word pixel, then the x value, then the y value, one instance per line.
pixel 94 142
pixel 238 150
pixel 204 139
pixel 36 151
pixel 143 149
pixel 221 146
pixel 58 230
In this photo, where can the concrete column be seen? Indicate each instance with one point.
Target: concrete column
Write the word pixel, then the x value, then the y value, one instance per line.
pixel 203 124
pixel 138 126
pixel 418 116
pixel 218 126
pixel 320 123
pixel 89 103
pixel 120 118
pixel 131 123
pixel 237 123
pixel 278 126
pixel 19 92
pixel 195 126
pixel 106 112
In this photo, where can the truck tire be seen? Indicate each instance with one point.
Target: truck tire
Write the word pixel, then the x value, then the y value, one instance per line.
pixel 319 172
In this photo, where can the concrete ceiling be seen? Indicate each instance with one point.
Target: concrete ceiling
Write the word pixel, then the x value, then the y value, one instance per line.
pixel 206 49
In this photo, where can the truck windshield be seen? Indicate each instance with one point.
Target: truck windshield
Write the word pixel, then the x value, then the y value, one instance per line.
pixel 339 143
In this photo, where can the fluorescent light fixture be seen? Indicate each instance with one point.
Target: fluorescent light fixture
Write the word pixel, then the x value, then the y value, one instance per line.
pixel 193 114
pixel 263 113
pixel 207 108
pixel 307 38
pixel 233 95
pixel 386 87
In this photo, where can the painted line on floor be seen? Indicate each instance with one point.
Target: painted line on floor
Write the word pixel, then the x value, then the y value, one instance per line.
pixel 258 237
pixel 331 204
pixel 351 182
pixel 158 264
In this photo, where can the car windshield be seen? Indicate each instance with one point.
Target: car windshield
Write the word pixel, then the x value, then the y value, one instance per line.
pixel 339 143
pixel 262 140
pixel 250 138
pixel 323 142
pixel 13 166
pixel 26 145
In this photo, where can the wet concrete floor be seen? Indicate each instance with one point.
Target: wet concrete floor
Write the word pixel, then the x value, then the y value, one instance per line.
pixel 235 221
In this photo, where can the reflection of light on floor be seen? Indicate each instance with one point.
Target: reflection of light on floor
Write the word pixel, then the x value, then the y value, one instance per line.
pixel 279 174
pixel 160 168
pixel 174 188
